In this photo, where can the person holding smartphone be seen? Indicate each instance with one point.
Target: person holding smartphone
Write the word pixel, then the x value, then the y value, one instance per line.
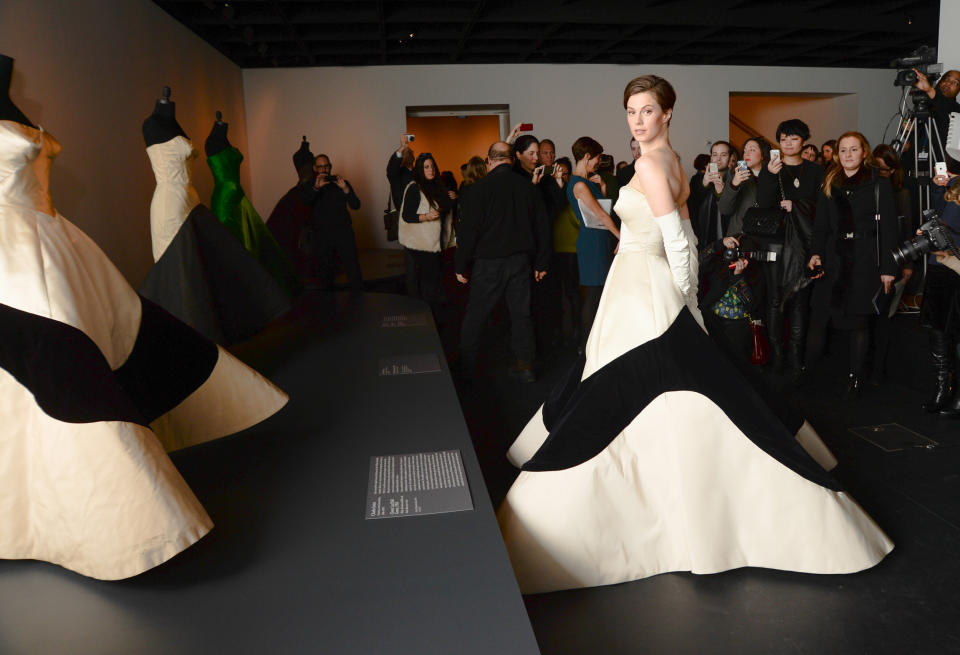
pixel 790 182
pixel 331 198
pixel 740 192
pixel 709 222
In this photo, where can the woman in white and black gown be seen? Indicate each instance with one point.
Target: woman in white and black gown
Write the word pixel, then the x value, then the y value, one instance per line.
pixel 655 454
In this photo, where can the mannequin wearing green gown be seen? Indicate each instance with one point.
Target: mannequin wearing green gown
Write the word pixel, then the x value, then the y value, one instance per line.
pixel 231 205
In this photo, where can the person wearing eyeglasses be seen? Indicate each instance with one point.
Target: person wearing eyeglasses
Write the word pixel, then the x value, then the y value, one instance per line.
pixel 330 221
pixel 944 97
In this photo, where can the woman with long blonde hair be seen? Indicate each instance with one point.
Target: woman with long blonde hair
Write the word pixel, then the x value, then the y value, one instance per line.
pixel 855 230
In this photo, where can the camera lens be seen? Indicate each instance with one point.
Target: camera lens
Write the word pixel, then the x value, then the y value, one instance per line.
pixel 911 250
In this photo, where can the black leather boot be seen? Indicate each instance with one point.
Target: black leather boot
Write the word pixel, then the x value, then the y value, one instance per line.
pixel 951 409
pixel 796 341
pixel 942 363
pixel 854 386
pixel 794 356
pixel 775 339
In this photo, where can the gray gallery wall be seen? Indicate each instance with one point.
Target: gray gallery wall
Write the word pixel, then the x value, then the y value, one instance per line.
pixel 357 114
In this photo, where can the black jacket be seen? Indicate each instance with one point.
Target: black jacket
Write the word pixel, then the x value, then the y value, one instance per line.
pixel 502 215
pixel 399 177
pixel 807 174
pixel 328 206
pixel 852 276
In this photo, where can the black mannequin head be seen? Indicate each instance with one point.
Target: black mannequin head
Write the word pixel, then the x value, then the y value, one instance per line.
pixel 217 139
pixel 303 161
pixel 8 110
pixel 162 125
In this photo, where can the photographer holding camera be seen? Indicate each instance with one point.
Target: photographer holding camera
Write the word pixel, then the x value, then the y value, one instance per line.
pixel 331 226
pixel 731 293
pixel 940 314
pixel 944 97
pixel 856 229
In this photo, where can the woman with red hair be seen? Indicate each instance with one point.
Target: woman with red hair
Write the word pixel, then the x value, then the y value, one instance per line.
pixel 855 230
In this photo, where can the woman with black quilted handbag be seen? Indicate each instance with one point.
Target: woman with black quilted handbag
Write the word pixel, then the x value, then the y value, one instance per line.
pixel 788 183
pixel 855 231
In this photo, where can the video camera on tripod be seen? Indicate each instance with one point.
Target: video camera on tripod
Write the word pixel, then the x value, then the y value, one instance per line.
pixel 917 127
pixel 924 59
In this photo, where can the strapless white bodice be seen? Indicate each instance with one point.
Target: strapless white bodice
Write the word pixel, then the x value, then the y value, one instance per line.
pixel 175 197
pixel 638 232
pixel 26 155
pixel 171 160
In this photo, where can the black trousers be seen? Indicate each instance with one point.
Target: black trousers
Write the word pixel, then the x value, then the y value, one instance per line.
pixel 509 278
pixel 567 275
pixel 423 274
pixel 338 242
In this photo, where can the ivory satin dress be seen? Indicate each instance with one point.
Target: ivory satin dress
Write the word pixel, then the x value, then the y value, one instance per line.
pixel 203 275
pixel 656 455
pixel 96 384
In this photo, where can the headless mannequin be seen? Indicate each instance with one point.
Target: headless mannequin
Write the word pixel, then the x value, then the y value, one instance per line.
pixel 303 162
pixel 217 140
pixel 162 125
pixel 8 110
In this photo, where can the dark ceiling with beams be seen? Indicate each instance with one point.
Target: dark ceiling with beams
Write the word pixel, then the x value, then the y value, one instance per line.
pixel 846 33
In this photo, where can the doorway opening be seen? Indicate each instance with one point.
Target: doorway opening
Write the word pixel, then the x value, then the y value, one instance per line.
pixel 757 114
pixel 455 133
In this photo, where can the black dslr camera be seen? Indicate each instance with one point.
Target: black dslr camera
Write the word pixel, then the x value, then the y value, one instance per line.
pixel 733 254
pixel 934 235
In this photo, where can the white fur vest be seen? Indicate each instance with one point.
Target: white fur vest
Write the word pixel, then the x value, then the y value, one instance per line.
pixel 431 236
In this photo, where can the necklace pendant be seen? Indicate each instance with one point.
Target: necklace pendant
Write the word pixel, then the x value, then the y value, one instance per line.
pixel 796 182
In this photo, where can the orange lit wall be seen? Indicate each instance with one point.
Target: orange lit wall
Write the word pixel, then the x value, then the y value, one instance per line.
pixel 452 140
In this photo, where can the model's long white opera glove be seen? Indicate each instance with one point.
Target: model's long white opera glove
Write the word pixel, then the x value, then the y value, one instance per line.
pixel 694 249
pixel 679 254
pixel 680 243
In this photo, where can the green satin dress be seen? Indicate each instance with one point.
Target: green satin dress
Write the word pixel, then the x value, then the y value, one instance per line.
pixel 236 212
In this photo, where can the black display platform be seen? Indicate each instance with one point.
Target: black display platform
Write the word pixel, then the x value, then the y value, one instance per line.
pixel 291 565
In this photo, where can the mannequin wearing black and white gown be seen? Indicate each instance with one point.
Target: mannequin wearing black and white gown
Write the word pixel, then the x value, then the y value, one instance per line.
pixel 203 275
pixel 96 384
pixel 656 455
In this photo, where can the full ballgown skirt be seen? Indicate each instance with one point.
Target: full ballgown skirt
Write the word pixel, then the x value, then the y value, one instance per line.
pixel 659 456
pixel 202 275
pixel 286 223
pixel 95 384
pixel 235 211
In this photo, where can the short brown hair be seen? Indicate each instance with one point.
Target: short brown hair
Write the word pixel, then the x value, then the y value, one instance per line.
pixel 658 87
pixel 585 146
pixel 889 156
pixel 474 170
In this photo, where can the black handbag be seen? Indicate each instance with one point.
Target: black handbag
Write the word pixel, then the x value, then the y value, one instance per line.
pixel 391 219
pixel 765 222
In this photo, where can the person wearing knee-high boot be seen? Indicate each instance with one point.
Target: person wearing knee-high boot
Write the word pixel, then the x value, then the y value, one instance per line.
pixel 790 182
pixel 940 314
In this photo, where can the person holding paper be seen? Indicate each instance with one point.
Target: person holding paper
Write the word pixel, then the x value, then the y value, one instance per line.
pixel 594 245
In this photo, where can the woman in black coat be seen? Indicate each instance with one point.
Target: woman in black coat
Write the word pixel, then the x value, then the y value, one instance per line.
pixel 856 279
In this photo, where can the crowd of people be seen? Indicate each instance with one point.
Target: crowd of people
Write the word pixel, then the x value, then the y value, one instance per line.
pixel 793 240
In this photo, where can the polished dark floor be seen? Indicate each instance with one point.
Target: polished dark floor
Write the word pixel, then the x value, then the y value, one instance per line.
pixel 906 604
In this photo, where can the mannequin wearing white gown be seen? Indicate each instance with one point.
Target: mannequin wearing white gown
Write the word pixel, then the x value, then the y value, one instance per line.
pixel 655 455
pixel 95 383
